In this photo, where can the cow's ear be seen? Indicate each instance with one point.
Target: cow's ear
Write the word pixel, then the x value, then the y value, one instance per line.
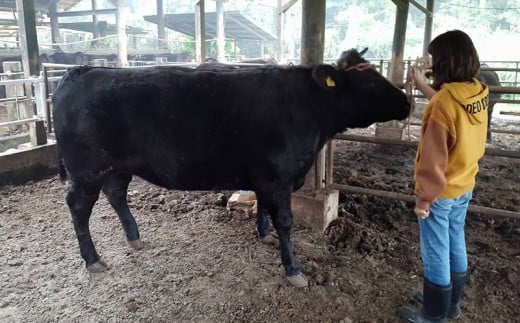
pixel 324 76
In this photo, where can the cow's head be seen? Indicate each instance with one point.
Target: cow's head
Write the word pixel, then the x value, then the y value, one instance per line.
pixel 364 95
pixel 350 58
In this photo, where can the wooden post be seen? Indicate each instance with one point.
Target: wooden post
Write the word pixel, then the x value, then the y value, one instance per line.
pixel 396 71
pixel 122 49
pixel 279 31
pixel 428 27
pixel 313 39
pixel 200 31
pixel 221 42
pixel 28 38
pixel 30 57
pixel 392 129
pixel 95 27
pixel 313 31
pixel 55 27
pixel 161 33
pixel 319 207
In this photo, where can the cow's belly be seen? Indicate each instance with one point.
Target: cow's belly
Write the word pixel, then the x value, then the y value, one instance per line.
pixel 195 177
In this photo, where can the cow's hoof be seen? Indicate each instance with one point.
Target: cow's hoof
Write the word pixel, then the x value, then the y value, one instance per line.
pixel 270 239
pixel 298 280
pixel 136 244
pixel 97 267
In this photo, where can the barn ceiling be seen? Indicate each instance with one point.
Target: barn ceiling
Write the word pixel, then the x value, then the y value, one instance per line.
pixel 9 5
pixel 236 26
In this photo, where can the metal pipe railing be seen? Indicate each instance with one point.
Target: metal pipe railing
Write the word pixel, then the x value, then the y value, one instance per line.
pixel 404 197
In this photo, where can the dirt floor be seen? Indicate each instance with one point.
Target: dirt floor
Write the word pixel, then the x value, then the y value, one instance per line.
pixel 202 263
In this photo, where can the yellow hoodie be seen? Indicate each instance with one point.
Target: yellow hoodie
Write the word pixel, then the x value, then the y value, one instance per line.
pixel 453 139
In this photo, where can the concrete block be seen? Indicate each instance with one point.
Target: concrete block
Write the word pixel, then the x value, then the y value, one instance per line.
pixel 13 141
pixel 315 209
pixel 30 164
pixel 389 132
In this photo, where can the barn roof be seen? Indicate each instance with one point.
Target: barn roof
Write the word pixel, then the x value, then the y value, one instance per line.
pixel 236 26
pixel 8 5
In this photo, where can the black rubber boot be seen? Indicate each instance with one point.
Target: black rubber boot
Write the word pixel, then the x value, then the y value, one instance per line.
pixel 458 280
pixel 436 301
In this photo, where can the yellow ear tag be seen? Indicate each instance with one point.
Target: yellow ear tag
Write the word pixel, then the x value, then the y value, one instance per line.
pixel 330 82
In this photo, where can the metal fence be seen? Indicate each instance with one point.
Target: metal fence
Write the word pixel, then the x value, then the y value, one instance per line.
pixel 17 110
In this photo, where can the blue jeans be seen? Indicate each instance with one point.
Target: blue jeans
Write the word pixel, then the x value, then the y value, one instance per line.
pixel 443 247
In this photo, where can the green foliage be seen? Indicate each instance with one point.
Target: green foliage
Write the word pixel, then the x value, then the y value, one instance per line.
pixel 493 25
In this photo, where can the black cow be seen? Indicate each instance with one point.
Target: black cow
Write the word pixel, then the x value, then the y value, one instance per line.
pixel 254 128
pixel 490 78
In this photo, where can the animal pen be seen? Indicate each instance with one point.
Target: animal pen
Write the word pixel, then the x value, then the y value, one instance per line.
pixel 51 72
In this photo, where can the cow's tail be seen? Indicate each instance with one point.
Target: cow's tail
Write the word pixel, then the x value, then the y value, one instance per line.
pixel 71 74
pixel 62 171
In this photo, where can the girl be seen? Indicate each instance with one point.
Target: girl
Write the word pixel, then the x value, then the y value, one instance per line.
pixel 453 139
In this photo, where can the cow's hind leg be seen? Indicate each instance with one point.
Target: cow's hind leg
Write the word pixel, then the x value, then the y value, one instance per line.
pixel 115 189
pixel 81 197
pixel 279 207
pixel 262 227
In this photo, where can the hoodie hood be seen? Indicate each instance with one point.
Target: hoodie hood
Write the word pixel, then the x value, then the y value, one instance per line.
pixel 472 97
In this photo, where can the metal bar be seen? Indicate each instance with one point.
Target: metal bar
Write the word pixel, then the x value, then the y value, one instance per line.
pixel 495 130
pixel 398 142
pixel 504 89
pixel 510 113
pixel 18 122
pixel 47 101
pixel 15 99
pixel 19 81
pixel 54 65
pixel 500 69
pixel 411 199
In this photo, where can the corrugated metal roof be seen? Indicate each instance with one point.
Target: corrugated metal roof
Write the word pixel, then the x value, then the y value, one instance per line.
pixel 40 4
pixel 236 26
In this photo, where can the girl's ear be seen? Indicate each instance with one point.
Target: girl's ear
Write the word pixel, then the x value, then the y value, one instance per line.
pixel 325 76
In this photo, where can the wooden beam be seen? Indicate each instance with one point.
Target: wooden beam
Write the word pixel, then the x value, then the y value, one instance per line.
pixel 427 11
pixel 84 13
pixel 287 6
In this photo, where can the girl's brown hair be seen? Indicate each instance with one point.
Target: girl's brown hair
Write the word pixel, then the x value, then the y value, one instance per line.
pixel 454 58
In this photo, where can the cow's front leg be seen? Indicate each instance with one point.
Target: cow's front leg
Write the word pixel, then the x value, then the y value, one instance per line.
pixel 80 199
pixel 279 208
